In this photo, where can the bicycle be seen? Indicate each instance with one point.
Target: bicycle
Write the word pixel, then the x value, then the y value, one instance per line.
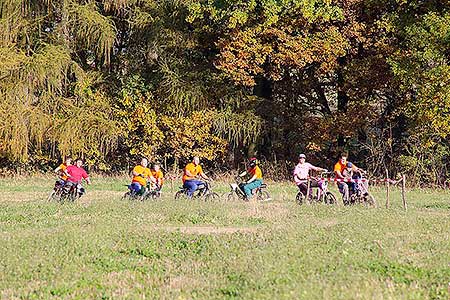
pixel 323 194
pixel 131 194
pixel 361 194
pixel 203 192
pixel 57 191
pixel 154 191
pixel 69 191
pixel 151 192
pixel 262 195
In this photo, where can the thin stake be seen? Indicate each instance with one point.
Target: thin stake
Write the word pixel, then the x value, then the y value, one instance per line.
pixel 307 189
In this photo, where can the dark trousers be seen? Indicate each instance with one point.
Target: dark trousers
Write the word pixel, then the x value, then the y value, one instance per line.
pixel 192 186
pixel 303 186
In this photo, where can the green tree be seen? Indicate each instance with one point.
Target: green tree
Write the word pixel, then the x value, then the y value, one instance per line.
pixel 50 96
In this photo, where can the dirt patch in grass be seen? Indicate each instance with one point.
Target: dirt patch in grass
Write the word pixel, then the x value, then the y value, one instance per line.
pixel 22 196
pixel 183 282
pixel 122 283
pixel 271 212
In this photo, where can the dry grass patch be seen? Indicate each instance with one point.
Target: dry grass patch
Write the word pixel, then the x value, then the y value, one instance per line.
pixel 122 283
pixel 23 197
pixel 206 229
pixel 327 223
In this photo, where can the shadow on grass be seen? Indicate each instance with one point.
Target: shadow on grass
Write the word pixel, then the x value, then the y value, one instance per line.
pixel 437 205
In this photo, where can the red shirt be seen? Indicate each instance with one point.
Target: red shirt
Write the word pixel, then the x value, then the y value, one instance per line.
pixel 76 174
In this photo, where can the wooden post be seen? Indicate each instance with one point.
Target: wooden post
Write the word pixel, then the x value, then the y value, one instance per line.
pixel 387 188
pixel 405 206
pixel 307 190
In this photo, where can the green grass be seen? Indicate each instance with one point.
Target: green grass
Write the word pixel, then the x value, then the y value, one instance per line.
pixel 104 248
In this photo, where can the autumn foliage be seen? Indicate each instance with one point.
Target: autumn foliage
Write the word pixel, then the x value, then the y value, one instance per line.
pixel 113 80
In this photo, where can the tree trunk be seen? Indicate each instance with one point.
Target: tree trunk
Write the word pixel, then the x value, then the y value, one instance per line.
pixel 342 97
pixel 264 89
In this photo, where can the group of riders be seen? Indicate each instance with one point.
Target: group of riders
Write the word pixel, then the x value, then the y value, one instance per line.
pixel 71 175
pixel 347 175
pixel 145 178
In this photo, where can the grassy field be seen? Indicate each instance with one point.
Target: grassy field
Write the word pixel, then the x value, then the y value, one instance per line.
pixel 105 248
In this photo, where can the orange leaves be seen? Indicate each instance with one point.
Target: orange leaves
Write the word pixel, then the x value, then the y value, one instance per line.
pixel 271 51
pixel 242 56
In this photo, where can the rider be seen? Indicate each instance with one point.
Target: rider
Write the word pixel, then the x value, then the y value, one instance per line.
pixel 255 181
pixel 192 171
pixel 75 175
pixel 61 171
pixel 140 175
pixel 344 174
pixel 158 176
pixel 301 173
pixel 356 173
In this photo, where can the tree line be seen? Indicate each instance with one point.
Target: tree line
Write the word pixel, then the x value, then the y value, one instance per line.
pixel 112 80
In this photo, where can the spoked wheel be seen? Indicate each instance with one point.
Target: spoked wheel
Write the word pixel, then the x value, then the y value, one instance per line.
pixel 130 196
pixel 56 195
pixel 212 196
pixel 330 198
pixel 73 195
pixel 230 196
pixel 155 196
pixel 263 196
pixel 69 193
pixel 126 196
pixel 353 199
pixel 300 198
pixel 148 196
pixel 180 195
pixel 65 196
pixel 370 201
pixel 51 196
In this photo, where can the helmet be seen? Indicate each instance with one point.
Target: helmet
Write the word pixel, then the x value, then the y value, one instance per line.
pixel 302 156
pixel 252 162
pixel 349 165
